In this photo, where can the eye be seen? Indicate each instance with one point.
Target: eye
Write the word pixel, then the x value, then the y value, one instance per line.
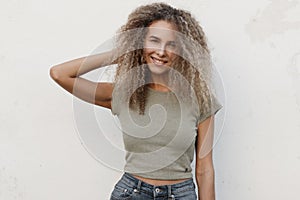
pixel 154 40
pixel 172 45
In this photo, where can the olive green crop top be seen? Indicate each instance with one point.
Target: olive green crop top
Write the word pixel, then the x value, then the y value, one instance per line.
pixel 161 143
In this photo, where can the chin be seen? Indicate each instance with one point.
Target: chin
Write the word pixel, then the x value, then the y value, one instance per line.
pixel 158 70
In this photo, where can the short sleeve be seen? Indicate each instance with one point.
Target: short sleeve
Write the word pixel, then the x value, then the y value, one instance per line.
pixel 215 107
pixel 114 102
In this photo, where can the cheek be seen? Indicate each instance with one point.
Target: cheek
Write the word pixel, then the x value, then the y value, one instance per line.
pixel 146 54
pixel 176 53
pixel 172 55
pixel 145 50
pixel 148 51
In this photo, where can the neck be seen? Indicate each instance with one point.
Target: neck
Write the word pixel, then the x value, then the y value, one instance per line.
pixel 159 83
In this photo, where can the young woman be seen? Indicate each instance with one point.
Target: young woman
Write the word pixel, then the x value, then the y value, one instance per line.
pixel 163 98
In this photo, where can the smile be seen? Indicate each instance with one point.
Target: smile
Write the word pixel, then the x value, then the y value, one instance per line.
pixel 157 61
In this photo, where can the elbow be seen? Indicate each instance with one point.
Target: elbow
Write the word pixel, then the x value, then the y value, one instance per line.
pixel 54 74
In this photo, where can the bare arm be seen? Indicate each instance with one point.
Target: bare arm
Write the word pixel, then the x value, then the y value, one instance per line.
pixel 67 76
pixel 204 164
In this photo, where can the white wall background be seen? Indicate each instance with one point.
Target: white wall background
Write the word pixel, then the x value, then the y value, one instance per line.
pixel 256 48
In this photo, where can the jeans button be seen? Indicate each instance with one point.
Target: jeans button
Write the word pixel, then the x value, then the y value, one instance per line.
pixel 157 190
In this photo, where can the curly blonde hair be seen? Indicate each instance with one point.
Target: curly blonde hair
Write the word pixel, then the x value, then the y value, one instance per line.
pixel 193 64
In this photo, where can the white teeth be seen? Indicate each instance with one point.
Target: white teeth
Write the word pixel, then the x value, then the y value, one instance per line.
pixel 158 62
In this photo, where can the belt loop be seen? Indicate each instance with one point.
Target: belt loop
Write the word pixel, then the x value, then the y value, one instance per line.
pixel 138 186
pixel 170 195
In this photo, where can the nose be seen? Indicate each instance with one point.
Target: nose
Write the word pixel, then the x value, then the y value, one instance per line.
pixel 161 51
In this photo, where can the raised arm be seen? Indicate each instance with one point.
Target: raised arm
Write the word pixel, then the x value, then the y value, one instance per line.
pixel 204 163
pixel 67 75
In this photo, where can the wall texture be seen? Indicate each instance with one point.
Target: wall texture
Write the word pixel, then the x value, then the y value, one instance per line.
pixel 256 49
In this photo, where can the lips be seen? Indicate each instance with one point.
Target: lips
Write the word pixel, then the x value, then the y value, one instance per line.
pixel 158 61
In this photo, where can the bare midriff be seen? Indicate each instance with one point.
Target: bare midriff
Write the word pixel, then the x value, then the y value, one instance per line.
pixel 157 182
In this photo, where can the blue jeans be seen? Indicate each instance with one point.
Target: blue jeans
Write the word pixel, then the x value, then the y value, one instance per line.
pixel 131 188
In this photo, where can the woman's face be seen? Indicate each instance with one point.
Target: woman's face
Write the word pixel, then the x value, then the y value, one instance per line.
pixel 160 47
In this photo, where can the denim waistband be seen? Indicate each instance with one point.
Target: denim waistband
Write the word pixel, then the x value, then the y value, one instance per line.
pixel 158 189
